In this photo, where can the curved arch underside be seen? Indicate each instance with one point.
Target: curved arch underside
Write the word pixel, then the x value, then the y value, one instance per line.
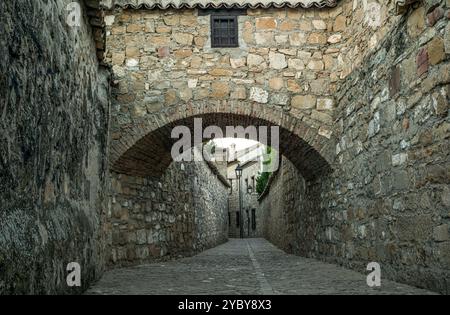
pixel 150 154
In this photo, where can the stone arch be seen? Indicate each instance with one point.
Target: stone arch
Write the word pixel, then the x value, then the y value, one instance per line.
pixel 143 147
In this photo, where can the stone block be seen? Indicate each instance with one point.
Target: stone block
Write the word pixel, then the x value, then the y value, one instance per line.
pixel 188 20
pixel 238 62
pixel 172 20
pixel 436 53
pixel 287 26
pixel 334 39
pixel 414 228
pixel 288 52
pixel 305 26
pixel 280 99
pixel 281 39
pixel 255 60
pixel 183 38
pixel 447 38
pixel 340 23
pixel 163 29
pixel 325 104
pixel 220 90
pixel 276 83
pixel 150 27
pixel 445 196
pixel 304 102
pixel 293 86
pixel 277 61
pixel 297 39
pixel 118 58
pixel 118 30
pixel 266 23
pixel 422 61
pixel 239 93
pixel 317 38
pixel 185 94
pixel 163 52
pixel 160 40
pixel 221 72
pixel 132 52
pixel 440 233
pixel 400 180
pixel 297 64
pixel 264 39
pixel 259 95
pixel 134 28
pixel 109 20
pixel 435 15
pixel 132 63
pixel 374 125
pixel 322 117
pixel 316 65
pixel 325 132
pixel 394 81
pixel 416 22
pixel 399 159
pixel 170 97
pixel 319 24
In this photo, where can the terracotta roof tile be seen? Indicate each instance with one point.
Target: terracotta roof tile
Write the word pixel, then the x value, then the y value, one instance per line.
pixel 166 4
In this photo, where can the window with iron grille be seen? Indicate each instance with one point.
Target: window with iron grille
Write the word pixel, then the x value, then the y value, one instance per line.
pixel 224 26
pixel 224 31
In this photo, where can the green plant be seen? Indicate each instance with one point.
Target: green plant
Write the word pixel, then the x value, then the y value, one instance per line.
pixel 261 182
pixel 210 148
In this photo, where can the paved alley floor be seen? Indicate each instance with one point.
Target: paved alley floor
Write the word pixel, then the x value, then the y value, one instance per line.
pixel 250 266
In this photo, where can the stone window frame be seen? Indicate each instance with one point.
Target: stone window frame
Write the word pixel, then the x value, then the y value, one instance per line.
pixel 234 14
pixel 230 33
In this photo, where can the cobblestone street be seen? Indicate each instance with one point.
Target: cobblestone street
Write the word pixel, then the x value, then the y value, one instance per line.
pixel 251 266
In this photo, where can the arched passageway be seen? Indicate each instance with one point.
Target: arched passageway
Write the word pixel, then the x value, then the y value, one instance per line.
pixel 164 208
pixel 144 148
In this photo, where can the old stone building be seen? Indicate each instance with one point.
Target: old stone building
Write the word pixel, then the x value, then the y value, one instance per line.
pixel 359 89
pixel 250 220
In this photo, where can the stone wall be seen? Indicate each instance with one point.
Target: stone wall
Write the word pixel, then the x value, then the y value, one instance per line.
pixel 287 60
pixel 53 149
pixel 363 24
pixel 290 211
pixel 180 214
pixel 389 196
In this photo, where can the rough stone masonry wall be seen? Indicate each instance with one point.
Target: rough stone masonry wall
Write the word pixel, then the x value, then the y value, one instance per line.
pixel 389 198
pixel 181 214
pixel 290 208
pixel 287 59
pixel 53 122
pixel 363 24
